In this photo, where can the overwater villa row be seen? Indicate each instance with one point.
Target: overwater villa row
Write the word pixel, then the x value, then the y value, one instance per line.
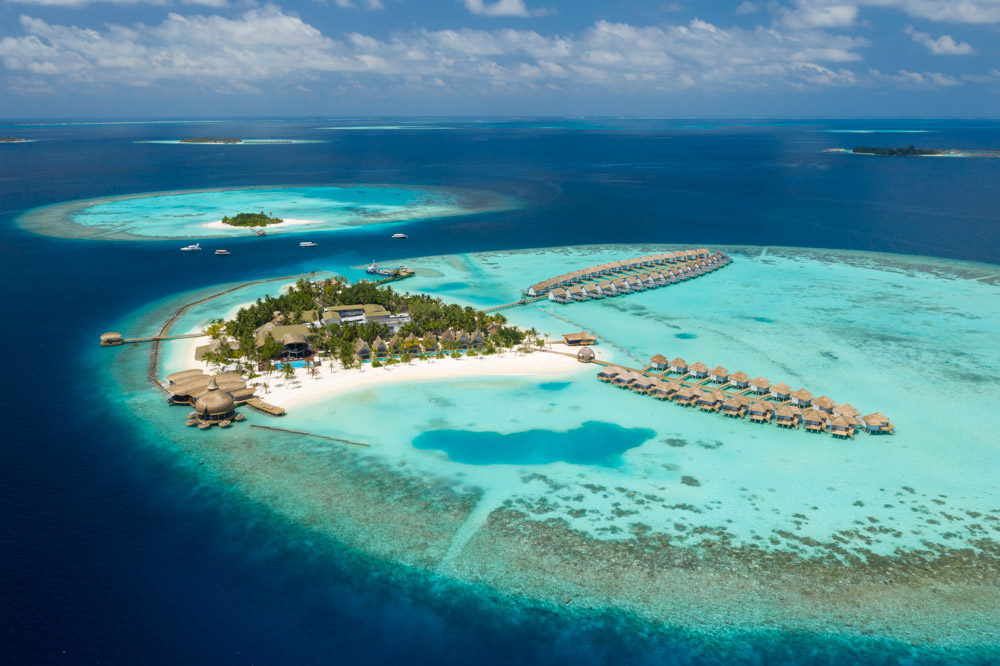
pixel 737 396
pixel 628 275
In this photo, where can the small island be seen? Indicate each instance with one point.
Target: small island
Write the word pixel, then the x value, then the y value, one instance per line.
pixel 909 151
pixel 251 220
pixel 12 139
pixel 211 139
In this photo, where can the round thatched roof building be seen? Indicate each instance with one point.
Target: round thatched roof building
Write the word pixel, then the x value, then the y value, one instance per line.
pixel 215 405
pixel 293 339
pixel 585 355
pixel 111 338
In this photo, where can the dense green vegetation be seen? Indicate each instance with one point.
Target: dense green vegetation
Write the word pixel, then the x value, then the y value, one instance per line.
pixel 909 151
pixel 212 139
pixel 429 316
pixel 251 220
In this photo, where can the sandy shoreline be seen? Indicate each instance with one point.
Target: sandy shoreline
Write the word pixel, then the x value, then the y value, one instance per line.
pixel 305 389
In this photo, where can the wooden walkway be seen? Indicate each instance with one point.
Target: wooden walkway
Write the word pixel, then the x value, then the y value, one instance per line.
pixel 308 434
pixel 524 301
pixel 155 338
pixel 266 407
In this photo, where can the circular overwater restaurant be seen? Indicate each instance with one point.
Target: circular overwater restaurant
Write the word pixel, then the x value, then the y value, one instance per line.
pixel 214 397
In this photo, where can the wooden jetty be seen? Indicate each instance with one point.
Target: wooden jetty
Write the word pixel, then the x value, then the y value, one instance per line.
pixel 107 340
pixel 266 407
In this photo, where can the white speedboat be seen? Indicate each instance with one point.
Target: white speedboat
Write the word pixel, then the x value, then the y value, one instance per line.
pixel 400 236
pixel 222 251
pixel 191 248
pixel 307 244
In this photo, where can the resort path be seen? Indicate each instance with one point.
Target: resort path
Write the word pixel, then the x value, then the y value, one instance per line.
pixel 491 499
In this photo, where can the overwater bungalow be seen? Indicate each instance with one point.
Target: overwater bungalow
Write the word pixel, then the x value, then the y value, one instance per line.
pixel 802 398
pixel 825 403
pixel 739 379
pixel 379 348
pixel 760 385
pixel 215 407
pixel 687 396
pixel 679 366
pixel 609 372
pixel 815 420
pixel 877 423
pixel 575 293
pixel 184 375
pixel 702 252
pixel 711 401
pixel 361 350
pixel 698 369
pixel 186 392
pixel 111 338
pixel 581 339
pixel 642 384
pixel 624 379
pixel 621 286
pixel 846 409
pixel 664 390
pixel 787 416
pixel 658 362
pixel 658 278
pixel 559 295
pixel 736 406
pixel 841 427
pixel 719 375
pixel 760 412
pixel 781 391
pixel 607 288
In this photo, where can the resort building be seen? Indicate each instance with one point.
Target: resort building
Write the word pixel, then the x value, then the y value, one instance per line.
pixel 295 346
pixel 558 295
pixel 824 403
pixel 624 379
pixel 642 384
pixel 679 366
pixel 736 406
pixel 877 423
pixel 739 379
pixel 760 412
pixel 698 369
pixel 663 390
pixel 686 396
pixel 787 416
pixel 711 402
pixel 802 398
pixel 814 420
pixel 361 350
pixel 586 355
pixel 719 375
pixel 841 427
pixel 846 409
pixel 110 339
pixel 781 391
pixel 609 372
pixel 361 314
pixel 579 339
pixel 430 344
pixel 379 348
pixel 215 407
pixel 658 362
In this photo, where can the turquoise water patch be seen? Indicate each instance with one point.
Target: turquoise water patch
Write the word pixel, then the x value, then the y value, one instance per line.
pixel 685 336
pixel 764 320
pixel 554 386
pixel 198 213
pixel 451 286
pixel 593 443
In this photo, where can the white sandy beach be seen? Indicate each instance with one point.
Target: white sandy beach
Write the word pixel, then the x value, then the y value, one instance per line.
pixel 288 222
pixel 305 389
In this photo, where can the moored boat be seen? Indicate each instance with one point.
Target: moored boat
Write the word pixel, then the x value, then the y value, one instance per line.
pixel 191 248
pixel 222 252
pixel 307 244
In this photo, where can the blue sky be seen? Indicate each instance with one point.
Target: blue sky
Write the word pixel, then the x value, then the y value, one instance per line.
pixel 135 58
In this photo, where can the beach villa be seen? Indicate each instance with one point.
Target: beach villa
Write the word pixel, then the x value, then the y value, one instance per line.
pixel 361 350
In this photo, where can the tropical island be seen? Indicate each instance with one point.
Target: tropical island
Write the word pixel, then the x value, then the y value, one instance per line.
pixel 12 139
pixel 211 139
pixel 251 220
pixel 909 151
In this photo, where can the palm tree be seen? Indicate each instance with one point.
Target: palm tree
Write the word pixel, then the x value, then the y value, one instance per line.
pixel 288 372
pixel 313 370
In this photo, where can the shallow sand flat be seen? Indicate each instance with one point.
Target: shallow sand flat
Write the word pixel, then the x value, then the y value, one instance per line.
pixel 713 519
pixel 189 214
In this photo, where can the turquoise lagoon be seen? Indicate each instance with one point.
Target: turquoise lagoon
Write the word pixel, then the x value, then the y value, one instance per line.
pixel 699 517
pixel 197 213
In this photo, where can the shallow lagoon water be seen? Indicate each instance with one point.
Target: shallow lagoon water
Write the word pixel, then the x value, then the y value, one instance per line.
pixel 196 214
pixel 696 478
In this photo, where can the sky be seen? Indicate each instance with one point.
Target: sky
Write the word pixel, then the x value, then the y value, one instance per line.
pixel 224 58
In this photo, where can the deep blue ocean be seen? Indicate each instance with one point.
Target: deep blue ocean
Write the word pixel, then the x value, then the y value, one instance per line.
pixel 113 553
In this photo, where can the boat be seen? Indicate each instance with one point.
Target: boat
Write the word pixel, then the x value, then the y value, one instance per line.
pixel 222 251
pixel 307 244
pixel 400 236
pixel 191 248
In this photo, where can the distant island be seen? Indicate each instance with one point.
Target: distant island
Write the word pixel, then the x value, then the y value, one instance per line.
pixel 909 151
pixel 251 220
pixel 212 139
pixel 12 139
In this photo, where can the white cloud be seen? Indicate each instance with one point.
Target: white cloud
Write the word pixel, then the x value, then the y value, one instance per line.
pixel 84 3
pixel 218 4
pixel 916 80
pixel 943 45
pixel 843 13
pixel 501 8
pixel 368 4
pixel 748 7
